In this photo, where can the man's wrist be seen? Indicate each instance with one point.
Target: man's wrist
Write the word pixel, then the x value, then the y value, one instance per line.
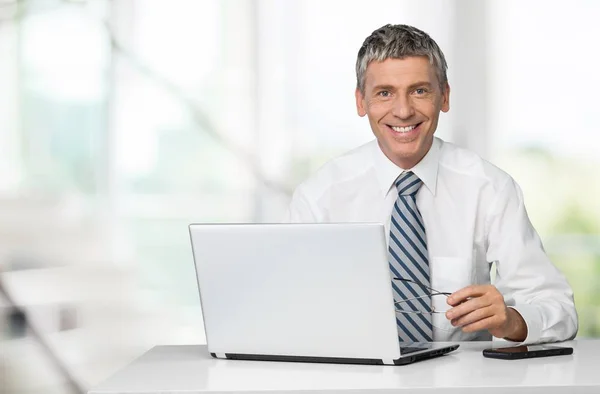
pixel 517 326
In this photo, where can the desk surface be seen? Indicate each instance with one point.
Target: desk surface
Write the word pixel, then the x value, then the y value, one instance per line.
pixel 189 369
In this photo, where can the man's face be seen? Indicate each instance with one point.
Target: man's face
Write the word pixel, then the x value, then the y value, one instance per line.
pixel 403 100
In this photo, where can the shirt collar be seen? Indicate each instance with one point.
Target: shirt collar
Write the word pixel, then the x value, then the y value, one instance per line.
pixel 426 169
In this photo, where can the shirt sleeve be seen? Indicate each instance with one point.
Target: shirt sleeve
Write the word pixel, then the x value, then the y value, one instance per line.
pixel 300 209
pixel 526 277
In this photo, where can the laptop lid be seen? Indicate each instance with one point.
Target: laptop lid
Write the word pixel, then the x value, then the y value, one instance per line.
pixel 308 290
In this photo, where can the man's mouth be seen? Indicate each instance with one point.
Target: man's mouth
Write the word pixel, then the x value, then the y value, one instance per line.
pixel 404 129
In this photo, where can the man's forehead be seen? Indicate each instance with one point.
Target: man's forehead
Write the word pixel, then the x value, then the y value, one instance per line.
pixel 400 70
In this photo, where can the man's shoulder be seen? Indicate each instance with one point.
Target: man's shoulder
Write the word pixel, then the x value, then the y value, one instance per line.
pixel 343 168
pixel 467 163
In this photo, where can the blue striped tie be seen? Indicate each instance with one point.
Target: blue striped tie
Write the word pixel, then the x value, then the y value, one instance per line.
pixel 408 259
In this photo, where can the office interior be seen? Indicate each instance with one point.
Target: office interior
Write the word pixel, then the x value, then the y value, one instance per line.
pixel 123 121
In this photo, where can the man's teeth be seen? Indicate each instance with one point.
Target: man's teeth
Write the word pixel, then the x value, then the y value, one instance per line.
pixel 403 129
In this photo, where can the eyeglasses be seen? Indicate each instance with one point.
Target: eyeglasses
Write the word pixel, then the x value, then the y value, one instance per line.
pixel 432 293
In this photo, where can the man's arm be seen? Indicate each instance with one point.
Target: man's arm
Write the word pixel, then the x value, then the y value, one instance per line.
pixel 300 209
pixel 531 301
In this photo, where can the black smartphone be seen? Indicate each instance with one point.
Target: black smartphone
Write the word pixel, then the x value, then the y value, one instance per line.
pixel 518 352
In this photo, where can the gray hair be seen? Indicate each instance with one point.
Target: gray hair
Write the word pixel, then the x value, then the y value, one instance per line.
pixel 399 42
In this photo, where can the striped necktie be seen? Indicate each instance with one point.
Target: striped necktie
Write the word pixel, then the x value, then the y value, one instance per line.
pixel 408 259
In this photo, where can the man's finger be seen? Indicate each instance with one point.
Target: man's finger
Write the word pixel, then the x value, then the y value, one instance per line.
pixel 467 307
pixel 485 324
pixel 474 316
pixel 467 292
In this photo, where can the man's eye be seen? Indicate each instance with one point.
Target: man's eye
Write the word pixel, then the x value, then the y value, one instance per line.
pixel 420 91
pixel 384 93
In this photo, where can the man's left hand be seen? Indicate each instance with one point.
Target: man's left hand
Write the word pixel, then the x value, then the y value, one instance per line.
pixel 482 307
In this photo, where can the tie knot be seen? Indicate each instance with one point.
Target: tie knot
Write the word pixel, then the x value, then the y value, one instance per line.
pixel 408 184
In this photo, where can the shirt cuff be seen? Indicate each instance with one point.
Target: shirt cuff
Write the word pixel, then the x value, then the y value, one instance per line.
pixel 533 320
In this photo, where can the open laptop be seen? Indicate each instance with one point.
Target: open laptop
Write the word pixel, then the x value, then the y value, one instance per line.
pixel 300 292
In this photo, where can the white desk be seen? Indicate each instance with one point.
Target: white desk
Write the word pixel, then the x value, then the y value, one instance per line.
pixel 189 369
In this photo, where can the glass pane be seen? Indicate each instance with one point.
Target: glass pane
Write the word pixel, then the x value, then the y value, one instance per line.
pixel 545 133
pixel 64 62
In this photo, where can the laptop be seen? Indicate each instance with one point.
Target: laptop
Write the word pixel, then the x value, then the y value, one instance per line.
pixel 316 292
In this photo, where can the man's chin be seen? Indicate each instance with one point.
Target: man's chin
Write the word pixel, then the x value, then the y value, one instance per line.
pixel 403 154
pixel 407 155
pixel 406 151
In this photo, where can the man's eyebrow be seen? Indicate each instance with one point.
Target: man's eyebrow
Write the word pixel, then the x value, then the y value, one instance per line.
pixel 383 87
pixel 410 87
pixel 420 84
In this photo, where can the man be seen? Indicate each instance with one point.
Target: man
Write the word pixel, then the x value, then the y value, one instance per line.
pixel 448 213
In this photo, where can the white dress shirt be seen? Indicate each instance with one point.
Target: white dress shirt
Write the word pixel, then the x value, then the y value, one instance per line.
pixel 474 216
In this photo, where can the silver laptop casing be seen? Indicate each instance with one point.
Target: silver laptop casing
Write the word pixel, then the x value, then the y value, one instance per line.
pixel 303 291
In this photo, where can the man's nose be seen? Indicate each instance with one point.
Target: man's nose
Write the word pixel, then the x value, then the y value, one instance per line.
pixel 403 107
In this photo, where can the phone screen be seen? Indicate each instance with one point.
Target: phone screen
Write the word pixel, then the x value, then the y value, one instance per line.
pixel 520 352
pixel 523 349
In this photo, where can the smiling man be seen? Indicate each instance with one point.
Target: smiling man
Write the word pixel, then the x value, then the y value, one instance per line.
pixel 403 99
pixel 448 213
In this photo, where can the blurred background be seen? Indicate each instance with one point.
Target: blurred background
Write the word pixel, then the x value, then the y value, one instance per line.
pixel 123 121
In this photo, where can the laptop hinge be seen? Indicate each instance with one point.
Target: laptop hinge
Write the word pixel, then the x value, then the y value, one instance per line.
pixel 388 361
pixel 221 355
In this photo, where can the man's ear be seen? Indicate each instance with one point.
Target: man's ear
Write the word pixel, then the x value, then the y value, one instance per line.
pixel 446 98
pixel 360 103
